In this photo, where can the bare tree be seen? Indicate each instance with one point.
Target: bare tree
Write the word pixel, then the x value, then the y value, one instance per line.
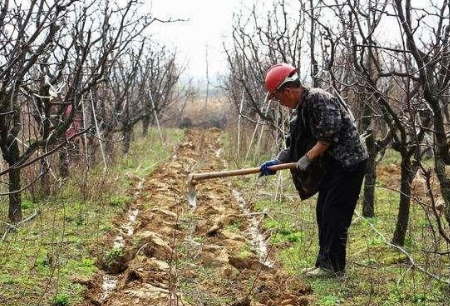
pixel 259 43
pixel 432 65
pixel 28 34
pixel 54 56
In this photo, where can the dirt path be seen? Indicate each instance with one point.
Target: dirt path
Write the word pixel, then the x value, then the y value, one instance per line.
pixel 170 254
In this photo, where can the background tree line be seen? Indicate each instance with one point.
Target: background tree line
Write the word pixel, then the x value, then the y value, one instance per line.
pixel 75 79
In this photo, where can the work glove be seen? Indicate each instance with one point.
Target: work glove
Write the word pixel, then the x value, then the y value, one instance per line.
pixel 303 163
pixel 265 167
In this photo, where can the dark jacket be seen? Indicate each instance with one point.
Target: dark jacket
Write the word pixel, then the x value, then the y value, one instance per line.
pixel 321 117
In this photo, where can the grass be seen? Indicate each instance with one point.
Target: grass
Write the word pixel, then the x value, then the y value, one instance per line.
pixel 40 261
pixel 376 274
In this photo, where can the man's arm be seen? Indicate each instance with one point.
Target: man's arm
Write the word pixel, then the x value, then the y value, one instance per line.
pixel 319 148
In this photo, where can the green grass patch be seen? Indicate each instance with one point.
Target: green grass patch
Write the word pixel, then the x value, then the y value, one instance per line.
pixel 234 226
pixel 245 251
pixel 113 256
pixel 61 299
pixel 120 200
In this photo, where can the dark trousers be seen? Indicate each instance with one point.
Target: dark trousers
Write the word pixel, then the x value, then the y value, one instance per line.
pixel 336 203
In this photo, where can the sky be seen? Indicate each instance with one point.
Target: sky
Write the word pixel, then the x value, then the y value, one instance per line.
pixel 209 23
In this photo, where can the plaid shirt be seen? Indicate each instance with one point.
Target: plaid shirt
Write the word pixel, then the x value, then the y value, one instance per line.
pixel 330 123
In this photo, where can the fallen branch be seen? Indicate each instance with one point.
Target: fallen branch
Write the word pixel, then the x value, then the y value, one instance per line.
pixel 15 227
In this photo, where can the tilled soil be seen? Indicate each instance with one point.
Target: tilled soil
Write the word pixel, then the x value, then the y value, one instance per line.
pixel 173 254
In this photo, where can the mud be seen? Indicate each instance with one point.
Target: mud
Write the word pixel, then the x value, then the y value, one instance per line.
pixel 212 254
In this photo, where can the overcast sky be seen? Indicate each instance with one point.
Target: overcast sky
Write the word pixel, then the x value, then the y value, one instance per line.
pixel 209 23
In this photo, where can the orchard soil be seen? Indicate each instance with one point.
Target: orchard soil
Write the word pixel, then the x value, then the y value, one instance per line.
pixel 164 252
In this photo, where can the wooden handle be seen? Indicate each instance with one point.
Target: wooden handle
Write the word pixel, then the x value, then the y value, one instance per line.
pixel 210 175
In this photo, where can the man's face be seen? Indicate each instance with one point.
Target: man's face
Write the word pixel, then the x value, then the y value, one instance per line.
pixel 286 97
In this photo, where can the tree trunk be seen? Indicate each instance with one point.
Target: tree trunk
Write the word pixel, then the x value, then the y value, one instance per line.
pixel 45 179
pixel 145 125
pixel 108 136
pixel 91 150
pixel 407 175
pixel 15 199
pixel 63 163
pixel 74 150
pixel 445 108
pixel 444 183
pixel 126 133
pixel 312 42
pixel 368 209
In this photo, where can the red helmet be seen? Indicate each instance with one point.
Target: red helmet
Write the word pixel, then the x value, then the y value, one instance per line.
pixel 276 76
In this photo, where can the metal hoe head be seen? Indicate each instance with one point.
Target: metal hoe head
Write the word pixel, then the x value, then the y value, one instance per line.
pixel 192 195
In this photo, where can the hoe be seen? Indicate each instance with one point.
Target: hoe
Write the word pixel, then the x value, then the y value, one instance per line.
pixel 193 178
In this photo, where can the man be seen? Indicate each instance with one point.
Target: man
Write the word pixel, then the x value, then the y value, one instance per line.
pixel 330 157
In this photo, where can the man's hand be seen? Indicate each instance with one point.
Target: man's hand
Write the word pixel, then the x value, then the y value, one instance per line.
pixel 303 163
pixel 265 167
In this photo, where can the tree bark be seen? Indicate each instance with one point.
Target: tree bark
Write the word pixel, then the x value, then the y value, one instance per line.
pixel 444 183
pixel 15 199
pixel 45 179
pixel 368 209
pixel 314 64
pixel 108 137
pixel 126 133
pixel 63 163
pixel 145 125
pixel 407 175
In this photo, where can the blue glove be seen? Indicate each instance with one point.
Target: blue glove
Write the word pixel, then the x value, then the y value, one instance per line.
pixel 265 167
